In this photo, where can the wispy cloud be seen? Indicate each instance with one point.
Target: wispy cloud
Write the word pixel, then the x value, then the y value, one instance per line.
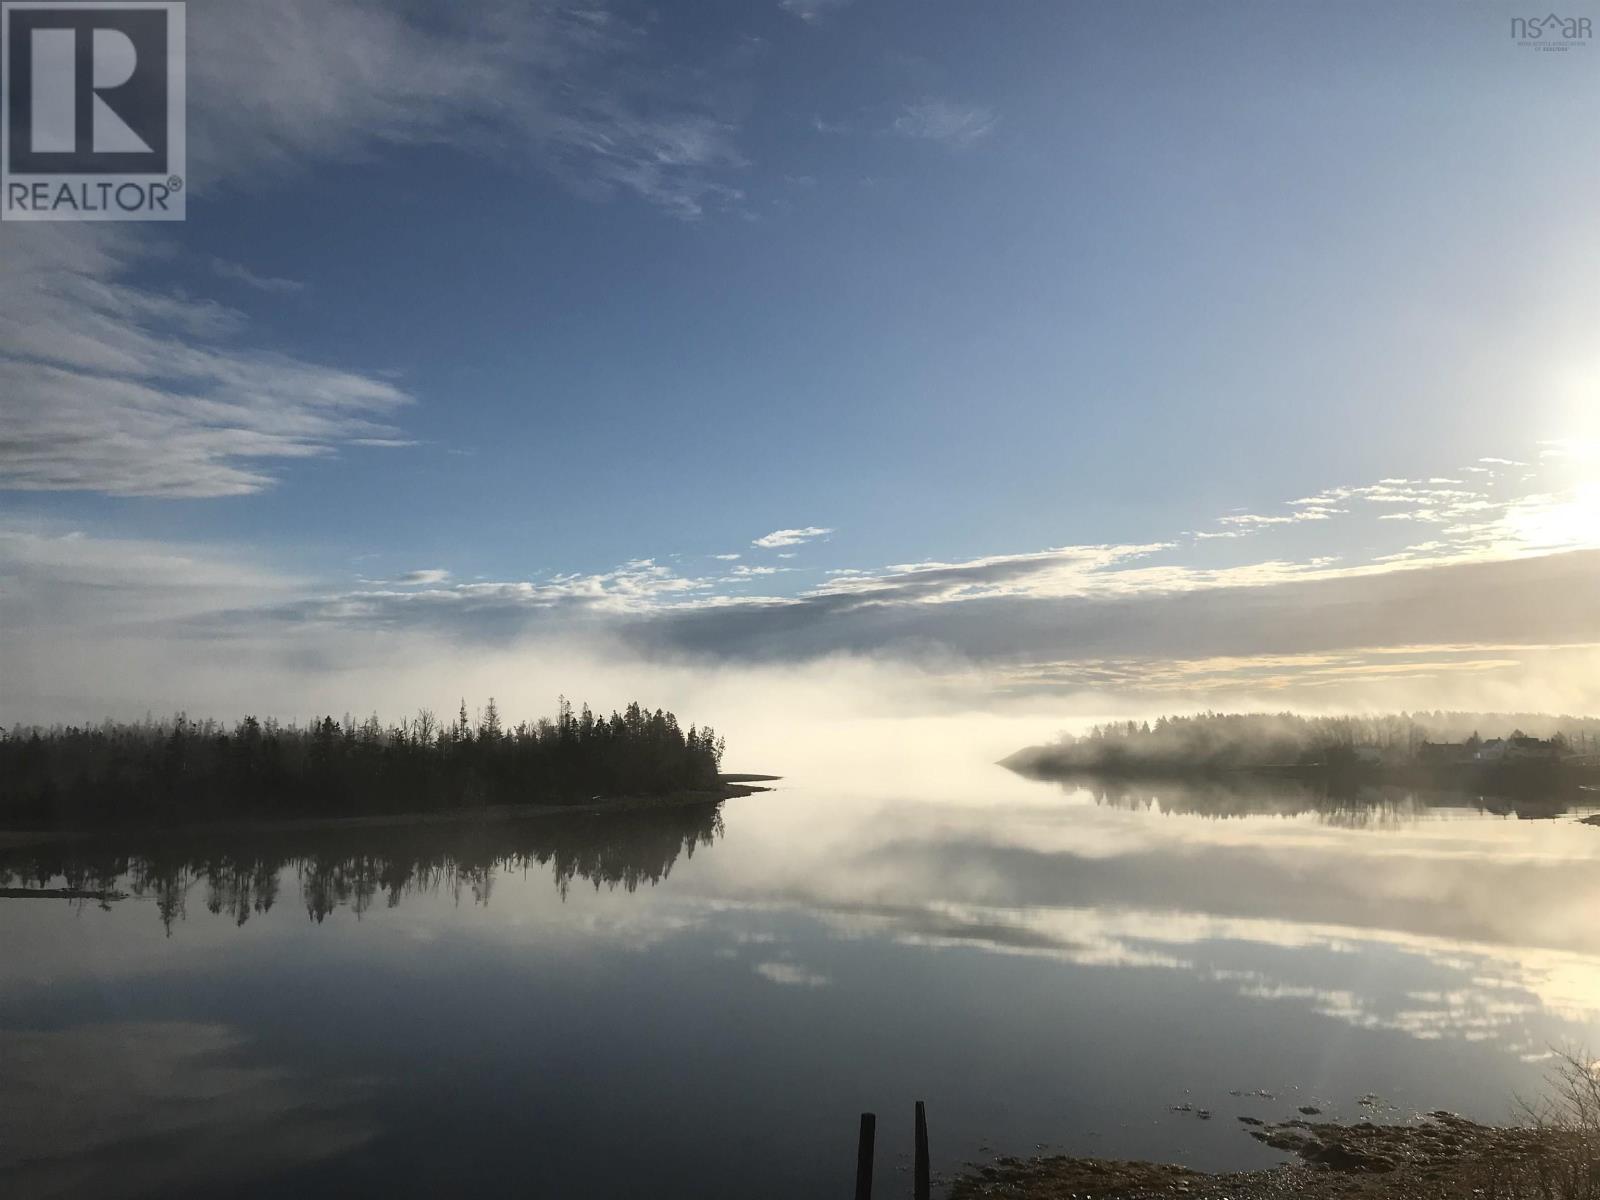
pixel 240 273
pixel 1436 499
pixel 576 91
pixel 425 576
pixel 811 11
pixel 120 389
pixel 957 125
pixel 790 537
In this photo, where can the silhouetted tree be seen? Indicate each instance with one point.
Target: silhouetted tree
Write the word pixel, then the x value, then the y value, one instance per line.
pixel 180 770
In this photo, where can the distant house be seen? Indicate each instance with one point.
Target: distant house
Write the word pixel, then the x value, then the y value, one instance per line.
pixel 1518 748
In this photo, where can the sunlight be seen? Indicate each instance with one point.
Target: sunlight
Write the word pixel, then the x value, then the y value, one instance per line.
pixel 1559 522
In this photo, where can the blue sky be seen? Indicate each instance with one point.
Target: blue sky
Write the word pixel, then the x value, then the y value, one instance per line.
pixel 565 302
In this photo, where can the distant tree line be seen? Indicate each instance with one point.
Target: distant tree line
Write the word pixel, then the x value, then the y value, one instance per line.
pixel 1212 742
pixel 179 770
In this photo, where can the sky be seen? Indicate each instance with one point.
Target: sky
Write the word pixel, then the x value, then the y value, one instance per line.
pixel 1030 358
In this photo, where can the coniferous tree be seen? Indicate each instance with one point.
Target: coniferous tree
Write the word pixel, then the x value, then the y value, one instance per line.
pixel 181 770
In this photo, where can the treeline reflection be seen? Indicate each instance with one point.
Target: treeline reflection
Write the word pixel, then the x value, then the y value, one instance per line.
pixel 1355 807
pixel 240 874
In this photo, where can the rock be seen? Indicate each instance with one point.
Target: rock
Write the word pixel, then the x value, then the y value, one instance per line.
pixel 1338 1157
pixel 1310 1110
pixel 1282 1139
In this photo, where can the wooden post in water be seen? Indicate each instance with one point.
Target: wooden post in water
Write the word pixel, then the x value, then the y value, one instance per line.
pixel 869 1129
pixel 922 1185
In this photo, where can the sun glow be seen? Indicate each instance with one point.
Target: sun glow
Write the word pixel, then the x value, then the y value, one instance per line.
pixel 1563 521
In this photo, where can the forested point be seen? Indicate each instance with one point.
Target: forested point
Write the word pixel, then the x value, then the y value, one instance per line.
pixel 181 771
pixel 1441 748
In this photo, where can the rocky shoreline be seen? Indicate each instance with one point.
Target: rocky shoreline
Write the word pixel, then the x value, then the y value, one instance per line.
pixel 1440 1157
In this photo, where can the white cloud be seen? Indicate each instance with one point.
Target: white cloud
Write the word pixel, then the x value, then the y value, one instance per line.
pixel 726 557
pixel 811 10
pixel 99 625
pixel 790 537
pixel 1491 599
pixel 119 389
pixel 1250 520
pixel 574 91
pixel 958 125
pixel 240 273
pixel 126 390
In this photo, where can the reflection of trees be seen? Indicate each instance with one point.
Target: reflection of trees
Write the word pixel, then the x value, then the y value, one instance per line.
pixel 1354 807
pixel 240 872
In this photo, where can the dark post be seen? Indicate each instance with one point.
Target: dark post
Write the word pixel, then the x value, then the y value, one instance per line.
pixel 922 1185
pixel 869 1128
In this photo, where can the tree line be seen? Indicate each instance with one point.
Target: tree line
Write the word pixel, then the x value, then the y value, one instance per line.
pixel 1213 741
pixel 179 770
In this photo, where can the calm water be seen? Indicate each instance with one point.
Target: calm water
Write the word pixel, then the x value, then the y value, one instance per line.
pixel 699 1003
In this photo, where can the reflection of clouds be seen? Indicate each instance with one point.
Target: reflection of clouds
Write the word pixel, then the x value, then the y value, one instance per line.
pixel 137 1108
pixel 791 975
pixel 1462 876
pixel 1495 993
pixel 1067 938
pixel 1491 915
pixel 1465 1013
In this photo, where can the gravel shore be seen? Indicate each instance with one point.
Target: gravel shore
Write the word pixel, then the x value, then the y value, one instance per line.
pixel 1441 1157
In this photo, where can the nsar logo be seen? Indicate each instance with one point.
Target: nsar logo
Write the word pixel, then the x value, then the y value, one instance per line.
pixel 92 111
pixel 1551 32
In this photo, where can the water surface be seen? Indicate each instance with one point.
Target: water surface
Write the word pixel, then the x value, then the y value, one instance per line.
pixel 702 1000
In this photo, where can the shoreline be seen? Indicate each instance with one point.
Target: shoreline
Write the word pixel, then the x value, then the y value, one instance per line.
pixel 733 787
pixel 1441 1156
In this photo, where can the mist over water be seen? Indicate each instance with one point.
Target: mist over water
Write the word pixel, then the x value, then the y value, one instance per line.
pixel 710 995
